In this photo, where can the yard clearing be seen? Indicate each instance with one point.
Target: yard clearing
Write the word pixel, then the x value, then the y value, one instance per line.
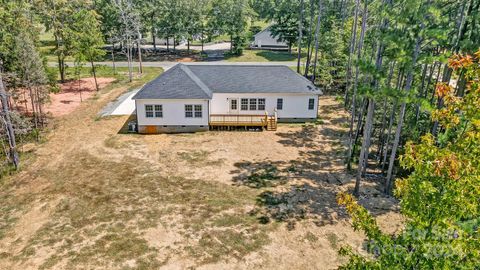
pixel 265 56
pixel 95 197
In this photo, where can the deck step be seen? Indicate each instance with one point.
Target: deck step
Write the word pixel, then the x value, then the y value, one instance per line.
pixel 271 124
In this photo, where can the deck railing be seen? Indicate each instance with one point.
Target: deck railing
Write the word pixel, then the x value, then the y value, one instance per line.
pixel 238 120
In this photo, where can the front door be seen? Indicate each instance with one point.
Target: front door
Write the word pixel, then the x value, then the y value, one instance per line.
pixel 233 105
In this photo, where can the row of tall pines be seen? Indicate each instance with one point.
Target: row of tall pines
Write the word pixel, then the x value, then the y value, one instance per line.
pixel 385 59
pixel 397 57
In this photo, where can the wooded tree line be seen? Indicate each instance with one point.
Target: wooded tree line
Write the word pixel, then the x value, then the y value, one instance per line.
pixel 440 197
pixel 407 72
pixel 385 58
pixel 25 79
pixel 397 57
pixel 411 88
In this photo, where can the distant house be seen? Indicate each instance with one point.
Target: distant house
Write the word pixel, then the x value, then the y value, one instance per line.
pixel 163 41
pixel 190 98
pixel 265 39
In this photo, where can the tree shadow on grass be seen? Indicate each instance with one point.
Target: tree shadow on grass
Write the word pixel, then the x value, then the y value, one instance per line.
pixel 306 188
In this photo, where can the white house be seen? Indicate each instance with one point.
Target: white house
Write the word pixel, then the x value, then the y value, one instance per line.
pixel 190 98
pixel 265 39
pixel 163 41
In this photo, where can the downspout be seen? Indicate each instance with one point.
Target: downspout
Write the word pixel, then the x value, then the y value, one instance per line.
pixel 136 114
pixel 208 113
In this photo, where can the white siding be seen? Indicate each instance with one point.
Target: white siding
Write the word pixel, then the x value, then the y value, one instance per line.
pixel 294 105
pixel 173 112
pixel 265 39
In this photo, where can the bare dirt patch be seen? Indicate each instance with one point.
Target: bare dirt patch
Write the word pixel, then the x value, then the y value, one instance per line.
pixel 214 200
pixel 71 95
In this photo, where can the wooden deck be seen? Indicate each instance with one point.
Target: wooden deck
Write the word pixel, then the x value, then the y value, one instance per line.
pixel 244 120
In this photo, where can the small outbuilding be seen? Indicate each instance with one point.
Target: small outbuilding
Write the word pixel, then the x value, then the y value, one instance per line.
pixel 266 40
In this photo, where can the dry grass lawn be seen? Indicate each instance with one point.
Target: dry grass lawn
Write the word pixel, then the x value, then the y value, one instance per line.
pixel 92 197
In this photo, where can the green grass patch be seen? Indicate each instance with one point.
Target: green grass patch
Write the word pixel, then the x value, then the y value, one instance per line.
pixel 265 56
pixel 199 157
pixel 333 240
pixel 214 244
pixel 310 237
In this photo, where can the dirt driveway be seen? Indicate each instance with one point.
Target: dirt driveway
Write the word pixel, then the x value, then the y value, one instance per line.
pixel 92 197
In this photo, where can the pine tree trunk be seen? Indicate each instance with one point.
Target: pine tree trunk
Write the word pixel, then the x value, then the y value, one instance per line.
pixel 408 86
pixel 429 81
pixel 359 128
pixel 352 51
pixel 152 18
pixel 61 62
pixel 300 36
pixel 13 154
pixel 317 31
pixel 94 75
pixel 113 60
pixel 39 108
pixel 174 44
pixel 420 93
pixel 381 137
pixel 437 79
pixel 355 87
pixel 139 48
pixel 389 134
pixel 32 103
pixel 364 152
pixel 202 43
pixel 309 42
pixel 129 58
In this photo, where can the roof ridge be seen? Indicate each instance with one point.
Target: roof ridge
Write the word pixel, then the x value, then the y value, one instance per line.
pixel 264 30
pixel 195 79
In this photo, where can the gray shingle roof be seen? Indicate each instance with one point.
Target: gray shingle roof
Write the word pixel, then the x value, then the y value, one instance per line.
pixel 200 81
pixel 176 83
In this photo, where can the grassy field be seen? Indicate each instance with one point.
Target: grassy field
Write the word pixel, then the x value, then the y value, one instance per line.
pixel 264 56
pixel 92 196
pixel 120 73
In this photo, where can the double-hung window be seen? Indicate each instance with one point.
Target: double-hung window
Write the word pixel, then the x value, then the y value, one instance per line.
pixel 253 104
pixel 189 111
pixel 153 111
pixel 198 111
pixel 193 111
pixel 279 103
pixel 261 104
pixel 233 104
pixel 244 104
pixel 311 104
